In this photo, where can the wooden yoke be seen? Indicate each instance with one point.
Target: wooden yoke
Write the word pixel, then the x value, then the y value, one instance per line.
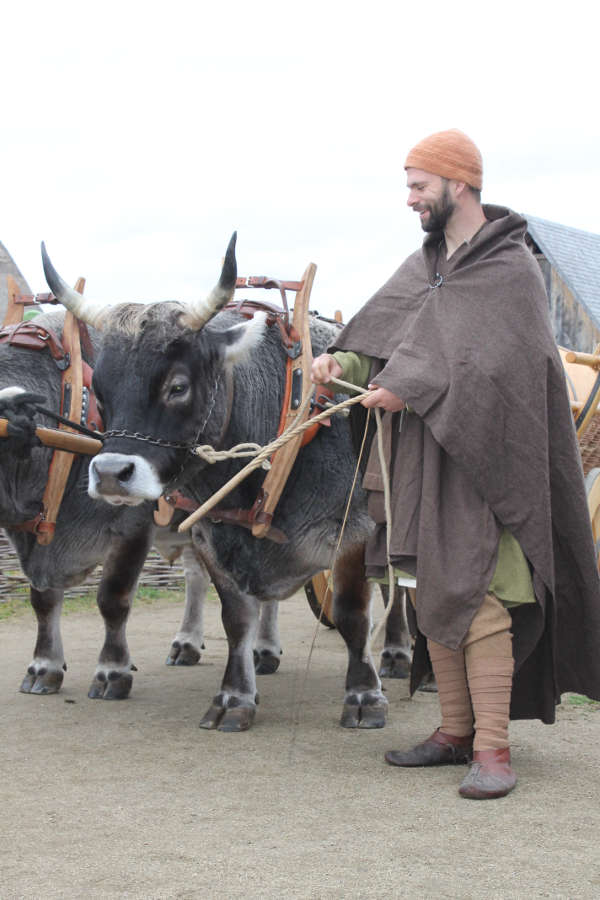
pixel 284 458
pixel 72 396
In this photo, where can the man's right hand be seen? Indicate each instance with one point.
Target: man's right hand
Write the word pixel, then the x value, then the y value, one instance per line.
pixel 324 368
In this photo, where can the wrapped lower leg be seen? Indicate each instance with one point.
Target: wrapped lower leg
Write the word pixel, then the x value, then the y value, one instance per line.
pixel 453 691
pixel 490 686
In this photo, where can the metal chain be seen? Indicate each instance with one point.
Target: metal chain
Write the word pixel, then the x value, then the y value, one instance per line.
pixel 136 436
pixel 159 442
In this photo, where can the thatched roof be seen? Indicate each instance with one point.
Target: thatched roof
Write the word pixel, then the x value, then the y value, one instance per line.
pixel 8 267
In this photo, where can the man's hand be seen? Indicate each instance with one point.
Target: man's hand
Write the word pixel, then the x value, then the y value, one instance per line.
pixel 324 368
pixel 19 408
pixel 384 399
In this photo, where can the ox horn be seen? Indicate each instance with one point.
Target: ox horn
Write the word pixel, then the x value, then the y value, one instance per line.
pixel 200 312
pixel 82 307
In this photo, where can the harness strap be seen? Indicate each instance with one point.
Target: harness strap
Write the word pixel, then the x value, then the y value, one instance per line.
pixel 34 337
pixel 236 516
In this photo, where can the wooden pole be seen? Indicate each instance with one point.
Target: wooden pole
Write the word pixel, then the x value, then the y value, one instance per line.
pixel 60 440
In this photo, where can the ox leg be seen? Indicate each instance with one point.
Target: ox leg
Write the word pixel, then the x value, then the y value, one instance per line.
pixel 188 642
pixel 46 671
pixel 365 705
pixel 396 656
pixel 267 652
pixel 112 678
pixel 234 707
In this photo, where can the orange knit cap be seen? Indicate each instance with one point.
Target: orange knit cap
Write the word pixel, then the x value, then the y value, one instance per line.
pixel 450 154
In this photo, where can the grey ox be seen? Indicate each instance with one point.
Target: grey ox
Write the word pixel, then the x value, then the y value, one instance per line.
pixel 83 539
pixel 86 535
pixel 170 376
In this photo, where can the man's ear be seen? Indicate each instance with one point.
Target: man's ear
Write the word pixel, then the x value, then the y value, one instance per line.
pixel 459 187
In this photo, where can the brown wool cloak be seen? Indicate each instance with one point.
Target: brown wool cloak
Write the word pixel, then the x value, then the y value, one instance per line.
pixel 491 444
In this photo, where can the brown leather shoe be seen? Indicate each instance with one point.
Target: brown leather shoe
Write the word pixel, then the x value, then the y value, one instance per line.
pixel 438 750
pixel 490 775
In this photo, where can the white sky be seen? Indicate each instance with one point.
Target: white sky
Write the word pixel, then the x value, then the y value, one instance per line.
pixel 138 135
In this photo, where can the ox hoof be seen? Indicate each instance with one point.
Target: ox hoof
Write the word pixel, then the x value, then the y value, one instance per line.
pixel 111 685
pixel 42 680
pixel 183 654
pixel 395 664
pixel 367 710
pixel 428 684
pixel 229 715
pixel 265 662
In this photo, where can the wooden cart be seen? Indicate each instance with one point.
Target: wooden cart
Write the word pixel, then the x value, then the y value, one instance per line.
pixel 582 371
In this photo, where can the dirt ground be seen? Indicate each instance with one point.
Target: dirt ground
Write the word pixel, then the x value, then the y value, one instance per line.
pixel 132 800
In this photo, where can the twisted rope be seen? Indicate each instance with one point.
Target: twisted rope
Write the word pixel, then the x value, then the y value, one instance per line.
pixel 263 453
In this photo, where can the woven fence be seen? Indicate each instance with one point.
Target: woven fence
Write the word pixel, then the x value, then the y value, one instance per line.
pixel 157 573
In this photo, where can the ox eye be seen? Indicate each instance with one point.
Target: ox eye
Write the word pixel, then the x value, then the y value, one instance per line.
pixel 178 389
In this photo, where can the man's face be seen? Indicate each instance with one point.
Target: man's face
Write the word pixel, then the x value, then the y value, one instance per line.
pixel 430 196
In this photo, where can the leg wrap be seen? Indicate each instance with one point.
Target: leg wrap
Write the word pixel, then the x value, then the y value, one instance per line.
pixel 453 690
pixel 489 666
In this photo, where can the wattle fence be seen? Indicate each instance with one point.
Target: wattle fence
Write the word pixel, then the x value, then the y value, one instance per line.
pixel 157 573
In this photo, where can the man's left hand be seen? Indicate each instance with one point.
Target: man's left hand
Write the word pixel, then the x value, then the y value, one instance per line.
pixel 384 399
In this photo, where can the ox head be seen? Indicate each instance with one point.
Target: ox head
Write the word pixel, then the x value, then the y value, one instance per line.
pixel 161 384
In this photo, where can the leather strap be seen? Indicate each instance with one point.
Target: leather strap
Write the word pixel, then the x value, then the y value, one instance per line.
pixel 34 337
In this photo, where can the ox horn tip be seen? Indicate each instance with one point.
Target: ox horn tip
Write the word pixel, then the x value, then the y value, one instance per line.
pixel 52 276
pixel 229 272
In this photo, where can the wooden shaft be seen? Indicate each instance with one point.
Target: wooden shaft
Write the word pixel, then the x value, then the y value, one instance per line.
pixel 584 359
pixel 61 440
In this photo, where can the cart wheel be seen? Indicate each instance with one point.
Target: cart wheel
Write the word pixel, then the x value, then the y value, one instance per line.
pixel 592 487
pixel 320 599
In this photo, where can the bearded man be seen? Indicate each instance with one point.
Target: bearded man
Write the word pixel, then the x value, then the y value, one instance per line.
pixel 489 510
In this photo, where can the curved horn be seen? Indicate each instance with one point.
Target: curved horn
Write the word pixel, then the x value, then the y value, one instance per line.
pixel 200 312
pixel 81 307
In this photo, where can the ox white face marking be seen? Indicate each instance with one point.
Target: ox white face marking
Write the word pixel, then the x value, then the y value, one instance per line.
pixel 123 480
pixel 242 339
pixel 12 391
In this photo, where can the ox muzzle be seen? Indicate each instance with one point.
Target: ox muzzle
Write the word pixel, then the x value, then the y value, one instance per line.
pixel 122 479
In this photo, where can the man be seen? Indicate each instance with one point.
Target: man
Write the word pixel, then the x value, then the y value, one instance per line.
pixel 488 501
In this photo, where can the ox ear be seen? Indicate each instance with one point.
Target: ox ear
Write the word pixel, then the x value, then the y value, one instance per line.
pixel 240 341
pixel 198 313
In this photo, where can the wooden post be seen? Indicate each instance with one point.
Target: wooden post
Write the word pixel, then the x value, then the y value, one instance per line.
pixel 284 458
pixel 72 385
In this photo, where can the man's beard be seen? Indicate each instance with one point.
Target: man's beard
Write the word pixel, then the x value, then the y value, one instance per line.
pixel 439 212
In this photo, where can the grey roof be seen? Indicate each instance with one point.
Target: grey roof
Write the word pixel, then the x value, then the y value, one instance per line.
pixel 575 255
pixel 8 267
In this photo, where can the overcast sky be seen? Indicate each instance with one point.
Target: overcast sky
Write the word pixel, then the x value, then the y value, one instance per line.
pixel 137 136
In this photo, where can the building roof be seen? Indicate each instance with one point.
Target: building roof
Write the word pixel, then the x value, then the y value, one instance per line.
pixel 8 267
pixel 575 255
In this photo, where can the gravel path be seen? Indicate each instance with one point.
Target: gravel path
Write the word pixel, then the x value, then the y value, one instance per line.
pixel 131 800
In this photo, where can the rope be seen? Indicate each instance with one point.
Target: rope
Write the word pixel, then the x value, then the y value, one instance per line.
pixel 240 451
pixel 298 701
pixel 296 428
